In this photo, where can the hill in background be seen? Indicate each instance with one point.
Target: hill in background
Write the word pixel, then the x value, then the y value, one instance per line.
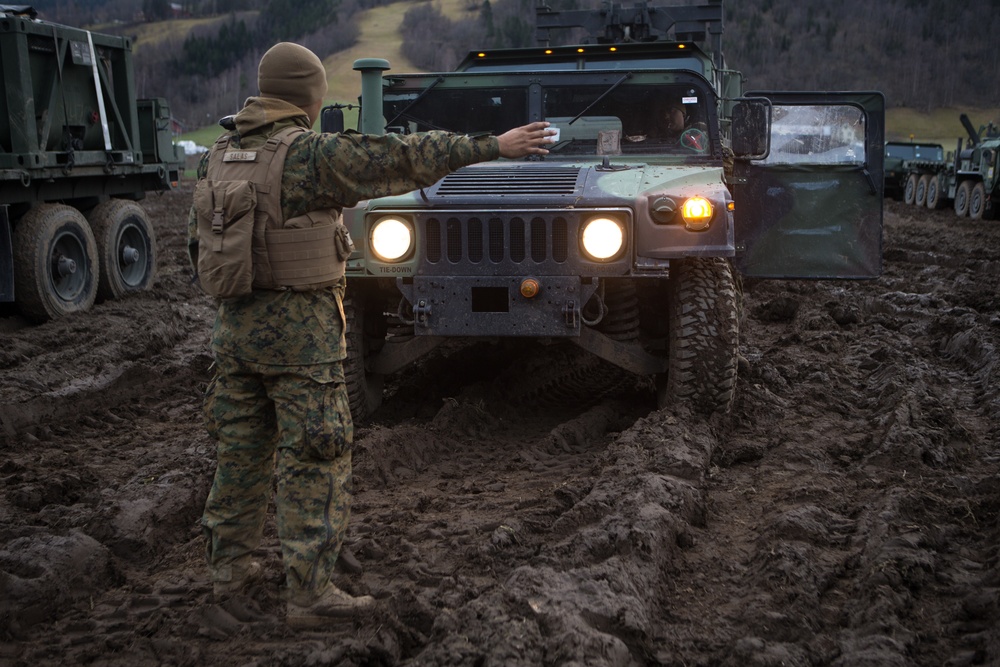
pixel 923 55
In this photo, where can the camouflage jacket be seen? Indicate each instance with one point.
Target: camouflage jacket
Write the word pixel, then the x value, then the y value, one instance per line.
pixel 285 327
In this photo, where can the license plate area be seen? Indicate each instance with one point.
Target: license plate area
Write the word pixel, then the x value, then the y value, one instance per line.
pixel 494 306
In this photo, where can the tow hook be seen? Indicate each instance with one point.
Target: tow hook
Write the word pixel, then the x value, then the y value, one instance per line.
pixel 571 313
pixel 421 313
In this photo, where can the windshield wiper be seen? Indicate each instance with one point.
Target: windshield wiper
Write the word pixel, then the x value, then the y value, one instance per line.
pixel 628 75
pixel 416 99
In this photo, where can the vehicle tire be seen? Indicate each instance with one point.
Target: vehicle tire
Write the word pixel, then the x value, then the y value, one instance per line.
pixel 704 336
pixel 977 201
pixel 910 189
pixel 126 246
pixel 920 197
pixel 962 196
pixel 364 389
pixel 55 263
pixel 934 198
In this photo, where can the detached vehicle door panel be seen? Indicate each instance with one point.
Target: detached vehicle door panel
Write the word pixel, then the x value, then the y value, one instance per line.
pixel 813 207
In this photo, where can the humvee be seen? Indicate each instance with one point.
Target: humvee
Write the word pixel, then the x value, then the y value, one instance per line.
pixel 627 240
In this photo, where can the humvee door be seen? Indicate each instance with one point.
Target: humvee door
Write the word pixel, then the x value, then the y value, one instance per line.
pixel 813 207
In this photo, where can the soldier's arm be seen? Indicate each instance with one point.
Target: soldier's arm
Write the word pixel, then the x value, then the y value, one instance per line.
pixel 353 166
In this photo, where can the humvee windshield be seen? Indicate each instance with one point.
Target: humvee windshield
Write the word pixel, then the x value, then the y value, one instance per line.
pixel 618 114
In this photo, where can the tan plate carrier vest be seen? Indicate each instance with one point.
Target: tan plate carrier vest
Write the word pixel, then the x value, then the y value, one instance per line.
pixel 243 244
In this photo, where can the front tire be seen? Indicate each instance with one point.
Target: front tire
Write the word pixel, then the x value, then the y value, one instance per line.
pixel 364 389
pixel 910 189
pixel 703 338
pixel 55 263
pixel 126 246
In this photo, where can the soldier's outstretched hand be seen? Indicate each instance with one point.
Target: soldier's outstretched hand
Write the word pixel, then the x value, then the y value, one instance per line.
pixel 529 139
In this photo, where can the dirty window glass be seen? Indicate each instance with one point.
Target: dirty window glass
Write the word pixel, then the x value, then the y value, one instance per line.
pixel 817 134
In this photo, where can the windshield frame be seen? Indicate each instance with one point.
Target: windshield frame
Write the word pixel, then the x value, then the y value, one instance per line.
pixel 400 91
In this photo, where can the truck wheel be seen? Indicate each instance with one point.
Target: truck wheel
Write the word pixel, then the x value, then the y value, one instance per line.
pixel 920 198
pixel 127 248
pixel 364 389
pixel 55 263
pixel 934 198
pixel 962 196
pixel 977 201
pixel 704 336
pixel 910 190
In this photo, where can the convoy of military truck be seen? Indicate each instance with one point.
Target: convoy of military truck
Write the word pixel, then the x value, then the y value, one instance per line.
pixel 77 152
pixel 966 179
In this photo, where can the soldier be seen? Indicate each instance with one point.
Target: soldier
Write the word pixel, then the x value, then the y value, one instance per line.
pixel 278 402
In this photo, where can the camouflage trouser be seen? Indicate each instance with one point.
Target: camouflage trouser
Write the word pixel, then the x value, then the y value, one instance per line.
pixel 294 419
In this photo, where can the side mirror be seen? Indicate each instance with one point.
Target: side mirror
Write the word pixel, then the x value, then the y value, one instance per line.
pixel 331 119
pixel 752 128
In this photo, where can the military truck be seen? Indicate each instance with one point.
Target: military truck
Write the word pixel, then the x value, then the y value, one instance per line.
pixel 77 151
pixel 622 241
pixel 909 167
pixel 970 179
pixel 967 177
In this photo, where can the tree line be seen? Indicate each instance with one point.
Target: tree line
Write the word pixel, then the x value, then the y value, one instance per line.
pixel 919 53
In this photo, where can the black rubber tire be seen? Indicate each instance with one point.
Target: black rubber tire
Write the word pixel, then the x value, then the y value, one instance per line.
pixel 977 201
pixel 910 189
pixel 934 198
pixel 962 196
pixel 364 389
pixel 126 246
pixel 55 263
pixel 704 336
pixel 920 197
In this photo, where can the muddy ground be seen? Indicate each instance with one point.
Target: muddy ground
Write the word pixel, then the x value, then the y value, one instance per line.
pixel 845 514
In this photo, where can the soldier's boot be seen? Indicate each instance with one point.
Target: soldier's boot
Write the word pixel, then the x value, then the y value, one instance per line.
pixel 229 580
pixel 331 606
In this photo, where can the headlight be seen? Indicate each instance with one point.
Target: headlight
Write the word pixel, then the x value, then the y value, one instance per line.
pixel 392 238
pixel 602 238
pixel 697 213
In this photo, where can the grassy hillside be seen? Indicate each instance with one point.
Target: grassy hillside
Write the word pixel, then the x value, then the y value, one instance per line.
pixel 939 126
pixel 379 38
pixel 155 33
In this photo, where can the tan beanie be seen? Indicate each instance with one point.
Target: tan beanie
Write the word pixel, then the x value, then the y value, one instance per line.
pixel 292 73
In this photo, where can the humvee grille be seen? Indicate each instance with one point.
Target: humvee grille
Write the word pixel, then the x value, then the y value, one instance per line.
pixel 502 238
pixel 509 181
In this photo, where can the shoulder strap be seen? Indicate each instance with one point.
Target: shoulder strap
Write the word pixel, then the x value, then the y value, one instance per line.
pixel 267 175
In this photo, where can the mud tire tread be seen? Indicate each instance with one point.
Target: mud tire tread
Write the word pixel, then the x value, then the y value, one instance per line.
pixel 364 389
pixel 34 292
pixel 107 220
pixel 704 336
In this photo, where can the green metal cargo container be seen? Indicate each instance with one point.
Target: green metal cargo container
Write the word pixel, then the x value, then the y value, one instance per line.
pixel 77 150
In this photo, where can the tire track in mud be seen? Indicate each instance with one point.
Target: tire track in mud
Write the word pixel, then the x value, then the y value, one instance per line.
pixel 846 514
pixel 539 543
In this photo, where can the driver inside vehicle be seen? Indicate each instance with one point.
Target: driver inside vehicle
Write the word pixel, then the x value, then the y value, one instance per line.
pixel 679 126
pixel 675 118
